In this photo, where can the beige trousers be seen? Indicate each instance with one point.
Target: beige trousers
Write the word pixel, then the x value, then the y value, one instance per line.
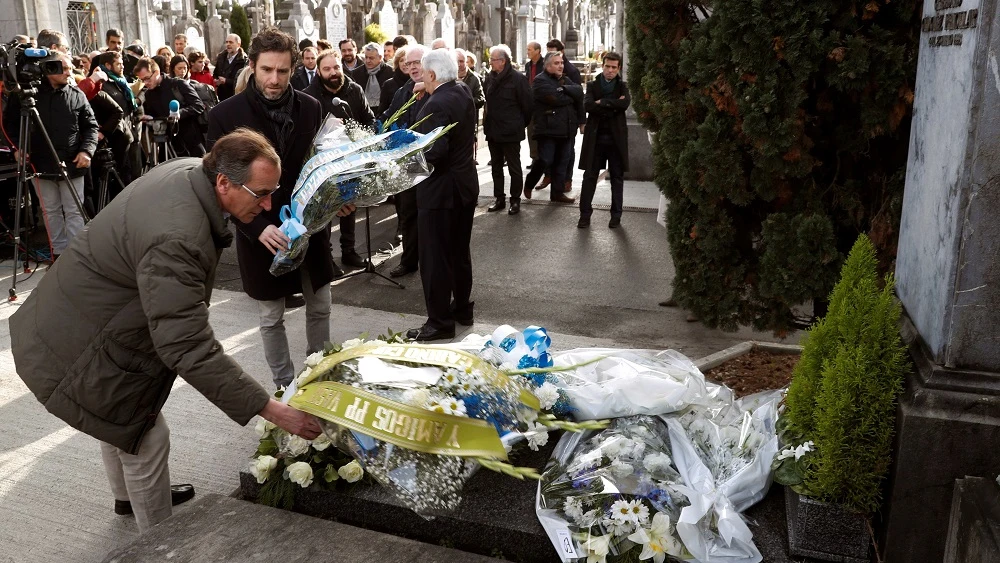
pixel 144 478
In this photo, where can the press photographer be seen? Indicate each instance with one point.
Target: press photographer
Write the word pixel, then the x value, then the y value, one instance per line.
pixel 69 121
pixel 161 90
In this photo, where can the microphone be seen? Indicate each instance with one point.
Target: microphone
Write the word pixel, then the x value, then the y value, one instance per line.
pixel 36 53
pixel 175 110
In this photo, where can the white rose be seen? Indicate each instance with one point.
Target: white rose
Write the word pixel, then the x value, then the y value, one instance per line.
pixel 296 446
pixel 351 343
pixel 300 473
pixel 351 472
pixel 306 372
pixel 263 427
pixel 261 468
pixel 321 443
pixel 313 360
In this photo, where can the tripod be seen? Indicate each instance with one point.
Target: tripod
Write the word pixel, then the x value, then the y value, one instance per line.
pixel 161 132
pixel 369 264
pixel 29 120
pixel 107 170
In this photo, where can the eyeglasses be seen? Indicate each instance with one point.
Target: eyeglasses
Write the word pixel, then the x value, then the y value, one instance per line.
pixel 260 196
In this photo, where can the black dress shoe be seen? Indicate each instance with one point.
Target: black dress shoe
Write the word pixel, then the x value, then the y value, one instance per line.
pixel 614 223
pixel 515 207
pixel 178 495
pixel 498 205
pixel 295 300
pixel 400 270
pixel 337 272
pixel 353 259
pixel 426 334
pixel 583 223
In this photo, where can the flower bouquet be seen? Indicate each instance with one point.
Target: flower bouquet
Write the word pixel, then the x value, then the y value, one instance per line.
pixel 283 462
pixel 350 165
pixel 421 419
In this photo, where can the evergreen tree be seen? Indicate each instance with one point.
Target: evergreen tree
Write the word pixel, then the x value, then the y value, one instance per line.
pixel 240 24
pixel 782 132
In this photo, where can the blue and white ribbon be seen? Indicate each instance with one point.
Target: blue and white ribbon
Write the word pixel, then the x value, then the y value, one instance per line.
pixel 522 349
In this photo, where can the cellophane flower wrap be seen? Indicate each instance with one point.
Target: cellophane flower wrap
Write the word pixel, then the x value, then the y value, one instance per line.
pixel 685 473
pixel 420 419
pixel 349 164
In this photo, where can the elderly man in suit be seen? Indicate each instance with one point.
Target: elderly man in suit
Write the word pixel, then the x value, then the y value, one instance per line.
pixel 446 201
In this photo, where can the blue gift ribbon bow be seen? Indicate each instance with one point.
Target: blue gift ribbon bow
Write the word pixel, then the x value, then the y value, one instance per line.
pixel 537 340
pixel 291 222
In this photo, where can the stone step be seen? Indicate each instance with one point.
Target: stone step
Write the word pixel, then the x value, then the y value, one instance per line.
pixel 218 528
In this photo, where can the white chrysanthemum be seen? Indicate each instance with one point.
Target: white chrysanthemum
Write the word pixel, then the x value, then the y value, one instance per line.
pixel 620 469
pixel 296 446
pixel 417 397
pixel 573 507
pixel 640 511
pixel 449 380
pixel 618 527
pixel 450 405
pixel 313 360
pixel 537 435
pixel 615 445
pixel 527 415
pixel 621 510
pixel 657 462
pixel 547 395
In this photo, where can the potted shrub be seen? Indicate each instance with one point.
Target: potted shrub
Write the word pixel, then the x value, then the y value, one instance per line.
pixel 840 415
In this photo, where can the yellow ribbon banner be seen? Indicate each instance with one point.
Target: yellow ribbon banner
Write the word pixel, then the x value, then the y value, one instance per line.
pixel 427 354
pixel 397 423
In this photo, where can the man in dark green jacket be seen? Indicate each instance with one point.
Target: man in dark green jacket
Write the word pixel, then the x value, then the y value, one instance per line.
pixel 125 310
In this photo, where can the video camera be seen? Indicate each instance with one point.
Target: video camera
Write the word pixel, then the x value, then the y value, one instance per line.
pixel 22 65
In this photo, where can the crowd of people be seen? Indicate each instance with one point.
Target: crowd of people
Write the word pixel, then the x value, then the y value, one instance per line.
pixel 124 310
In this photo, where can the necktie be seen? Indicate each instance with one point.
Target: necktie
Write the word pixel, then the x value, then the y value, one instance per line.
pixel 309 73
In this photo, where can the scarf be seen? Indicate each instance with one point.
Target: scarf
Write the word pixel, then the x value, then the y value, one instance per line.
pixel 123 86
pixel 496 78
pixel 607 88
pixel 278 112
pixel 372 88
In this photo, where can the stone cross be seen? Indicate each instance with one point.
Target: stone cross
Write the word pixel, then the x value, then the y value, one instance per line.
pixel 168 13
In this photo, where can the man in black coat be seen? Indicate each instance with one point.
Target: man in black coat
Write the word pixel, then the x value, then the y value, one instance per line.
pixel 160 91
pixel 406 201
pixel 289 120
pixel 228 66
pixel 558 112
pixel 342 97
pixel 70 123
pixel 508 112
pixel 446 201
pixel 372 74
pixel 305 73
pixel 605 139
pixel 572 73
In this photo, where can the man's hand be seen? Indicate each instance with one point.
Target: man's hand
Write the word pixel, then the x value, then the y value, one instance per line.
pixel 346 210
pixel 99 75
pixel 621 97
pixel 291 420
pixel 100 136
pixel 82 160
pixel 598 102
pixel 419 87
pixel 220 81
pixel 274 239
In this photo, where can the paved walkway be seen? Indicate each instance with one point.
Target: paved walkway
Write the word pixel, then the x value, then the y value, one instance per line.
pixel 590 288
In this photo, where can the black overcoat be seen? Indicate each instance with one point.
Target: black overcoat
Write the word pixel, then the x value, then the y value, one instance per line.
pixel 454 182
pixel 255 259
pixel 508 106
pixel 612 111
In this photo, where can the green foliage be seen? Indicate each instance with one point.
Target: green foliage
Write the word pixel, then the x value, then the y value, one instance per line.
pixel 844 389
pixel 240 24
pixel 374 34
pixel 782 133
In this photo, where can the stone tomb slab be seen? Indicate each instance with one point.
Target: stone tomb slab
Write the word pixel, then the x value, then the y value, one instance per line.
pixel 219 528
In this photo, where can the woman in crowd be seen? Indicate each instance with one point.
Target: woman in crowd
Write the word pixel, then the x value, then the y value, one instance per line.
pixel 165 52
pixel 179 67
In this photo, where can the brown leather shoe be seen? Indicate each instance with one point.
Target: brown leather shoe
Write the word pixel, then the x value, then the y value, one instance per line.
pixel 545 182
pixel 560 198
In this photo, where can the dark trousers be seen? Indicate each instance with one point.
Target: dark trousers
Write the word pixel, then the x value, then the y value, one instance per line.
pixel 406 215
pixel 511 152
pixel 569 161
pixel 606 155
pixel 445 262
pixel 553 158
pixel 347 230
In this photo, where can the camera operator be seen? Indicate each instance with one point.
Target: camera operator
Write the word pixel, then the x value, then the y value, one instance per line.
pixel 71 126
pixel 106 76
pixel 160 91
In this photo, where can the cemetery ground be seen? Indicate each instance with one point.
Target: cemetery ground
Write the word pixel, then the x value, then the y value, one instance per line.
pixel 588 287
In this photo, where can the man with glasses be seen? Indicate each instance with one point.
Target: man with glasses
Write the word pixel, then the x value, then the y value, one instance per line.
pixel 102 338
pixel 160 91
pixel 508 111
pixel 289 119
pixel 53 41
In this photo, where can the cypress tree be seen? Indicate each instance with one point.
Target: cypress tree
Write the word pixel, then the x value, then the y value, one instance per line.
pixel 240 24
pixel 782 133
